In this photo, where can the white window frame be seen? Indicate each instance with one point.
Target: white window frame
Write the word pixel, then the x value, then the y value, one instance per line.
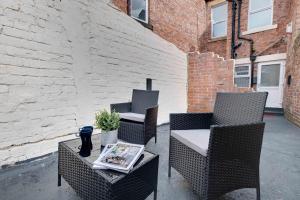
pixel 242 76
pixel 259 10
pixel 282 71
pixel 213 23
pixel 147 12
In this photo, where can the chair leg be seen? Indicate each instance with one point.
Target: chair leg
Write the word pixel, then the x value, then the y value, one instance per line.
pixel 258 185
pixel 59 180
pixel 258 193
pixel 169 166
pixel 155 139
pixel 155 194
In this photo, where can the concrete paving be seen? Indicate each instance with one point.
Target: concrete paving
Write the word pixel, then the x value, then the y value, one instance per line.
pixel 280 171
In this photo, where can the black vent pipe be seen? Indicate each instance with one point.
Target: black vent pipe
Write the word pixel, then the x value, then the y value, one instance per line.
pixel 233 47
pixel 251 42
pixel 149 84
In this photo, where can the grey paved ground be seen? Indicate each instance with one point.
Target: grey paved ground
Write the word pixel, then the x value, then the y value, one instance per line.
pixel 280 171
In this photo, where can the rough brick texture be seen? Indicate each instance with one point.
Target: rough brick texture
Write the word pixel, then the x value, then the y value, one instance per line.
pixel 61 61
pixel 208 74
pixel 121 4
pixel 292 92
pixel 178 21
pixel 266 42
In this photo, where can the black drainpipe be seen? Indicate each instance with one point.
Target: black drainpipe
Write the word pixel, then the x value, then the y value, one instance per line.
pixel 251 41
pixel 233 47
pixel 149 84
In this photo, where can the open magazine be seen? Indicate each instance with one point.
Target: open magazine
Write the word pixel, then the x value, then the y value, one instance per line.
pixel 120 157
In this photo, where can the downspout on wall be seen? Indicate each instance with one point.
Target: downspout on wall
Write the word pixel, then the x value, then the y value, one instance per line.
pixel 233 46
pixel 253 55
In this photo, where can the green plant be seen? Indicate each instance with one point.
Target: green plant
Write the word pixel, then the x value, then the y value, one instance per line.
pixel 107 121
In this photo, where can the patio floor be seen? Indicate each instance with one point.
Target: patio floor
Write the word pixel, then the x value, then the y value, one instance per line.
pixel 280 171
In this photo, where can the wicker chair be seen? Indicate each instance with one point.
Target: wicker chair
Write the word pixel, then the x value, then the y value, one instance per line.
pixel 219 152
pixel 139 117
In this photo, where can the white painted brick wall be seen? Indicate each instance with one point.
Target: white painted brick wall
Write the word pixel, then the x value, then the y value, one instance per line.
pixel 60 62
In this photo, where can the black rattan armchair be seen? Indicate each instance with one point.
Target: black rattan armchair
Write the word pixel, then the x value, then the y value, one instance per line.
pixel 219 152
pixel 138 117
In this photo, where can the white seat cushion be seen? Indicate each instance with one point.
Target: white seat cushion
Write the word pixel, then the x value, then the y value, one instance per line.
pixel 133 117
pixel 197 140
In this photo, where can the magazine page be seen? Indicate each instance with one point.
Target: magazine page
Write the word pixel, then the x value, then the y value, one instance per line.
pixel 121 156
pixel 97 164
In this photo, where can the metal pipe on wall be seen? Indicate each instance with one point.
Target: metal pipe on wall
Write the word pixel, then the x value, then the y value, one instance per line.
pixel 240 37
pixel 149 84
pixel 250 40
pixel 233 47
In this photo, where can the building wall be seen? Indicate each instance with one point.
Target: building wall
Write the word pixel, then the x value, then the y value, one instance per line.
pixel 292 91
pixel 207 74
pixel 61 61
pixel 177 21
pixel 121 4
pixel 206 43
pixel 206 70
pixel 267 42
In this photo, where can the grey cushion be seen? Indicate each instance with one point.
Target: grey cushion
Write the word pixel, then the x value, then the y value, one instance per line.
pixel 133 117
pixel 197 139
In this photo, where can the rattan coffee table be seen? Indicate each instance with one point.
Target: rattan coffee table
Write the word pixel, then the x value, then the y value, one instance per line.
pixel 94 184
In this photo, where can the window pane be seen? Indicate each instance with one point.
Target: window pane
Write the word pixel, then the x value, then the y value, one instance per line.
pixel 242 81
pixel 259 4
pixel 219 29
pixel 138 9
pixel 219 13
pixel 270 75
pixel 242 70
pixel 259 19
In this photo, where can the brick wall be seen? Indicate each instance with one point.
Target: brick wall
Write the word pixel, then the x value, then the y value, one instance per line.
pixel 206 43
pixel 61 61
pixel 207 74
pixel 121 4
pixel 178 21
pixel 267 42
pixel 292 92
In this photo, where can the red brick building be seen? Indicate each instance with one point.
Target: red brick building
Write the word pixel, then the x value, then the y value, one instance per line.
pixel 177 21
pixel 203 26
pixel 291 101
pixel 266 23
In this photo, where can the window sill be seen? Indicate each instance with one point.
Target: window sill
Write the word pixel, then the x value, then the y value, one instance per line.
pixel 217 39
pixel 146 25
pixel 242 87
pixel 260 29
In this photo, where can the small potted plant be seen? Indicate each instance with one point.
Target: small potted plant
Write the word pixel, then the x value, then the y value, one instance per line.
pixel 108 123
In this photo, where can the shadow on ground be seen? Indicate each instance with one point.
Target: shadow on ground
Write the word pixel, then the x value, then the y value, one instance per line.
pixel 280 171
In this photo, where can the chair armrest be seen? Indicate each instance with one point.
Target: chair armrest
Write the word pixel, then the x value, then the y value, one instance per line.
pixel 121 107
pixel 233 155
pixel 236 142
pixel 151 115
pixel 150 123
pixel 186 121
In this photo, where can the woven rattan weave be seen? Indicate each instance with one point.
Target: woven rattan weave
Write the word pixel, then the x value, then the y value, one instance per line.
pixel 92 184
pixel 236 134
pixel 143 102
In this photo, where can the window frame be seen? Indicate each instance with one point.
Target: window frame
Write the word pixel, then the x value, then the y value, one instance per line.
pixel 257 11
pixel 242 76
pixel 213 23
pixel 281 73
pixel 147 12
